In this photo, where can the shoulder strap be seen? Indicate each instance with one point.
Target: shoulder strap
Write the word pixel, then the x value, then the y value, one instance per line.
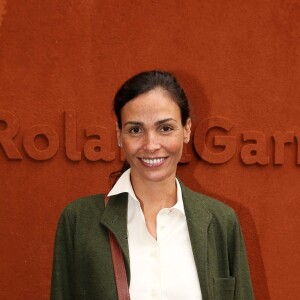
pixel 119 266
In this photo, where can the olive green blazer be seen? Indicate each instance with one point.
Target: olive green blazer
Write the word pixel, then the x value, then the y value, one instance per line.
pixel 82 264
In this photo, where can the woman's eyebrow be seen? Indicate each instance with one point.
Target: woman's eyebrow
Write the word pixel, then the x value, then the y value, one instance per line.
pixel 133 123
pixel 137 123
pixel 164 121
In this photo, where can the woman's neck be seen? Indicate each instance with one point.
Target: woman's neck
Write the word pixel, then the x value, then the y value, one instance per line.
pixel 154 196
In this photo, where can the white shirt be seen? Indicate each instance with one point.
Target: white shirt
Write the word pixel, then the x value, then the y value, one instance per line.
pixel 164 268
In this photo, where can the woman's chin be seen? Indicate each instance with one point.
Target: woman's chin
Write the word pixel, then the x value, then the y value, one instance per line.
pixel 154 175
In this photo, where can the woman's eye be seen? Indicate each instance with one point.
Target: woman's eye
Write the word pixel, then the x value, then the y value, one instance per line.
pixel 166 128
pixel 135 130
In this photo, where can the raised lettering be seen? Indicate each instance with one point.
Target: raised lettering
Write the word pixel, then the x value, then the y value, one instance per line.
pixel 29 142
pixel 226 143
pixel 93 149
pixel 7 134
pixel 254 152
pixel 70 136
pixel 281 139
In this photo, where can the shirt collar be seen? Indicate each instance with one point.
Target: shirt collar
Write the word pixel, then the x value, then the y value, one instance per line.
pixel 123 185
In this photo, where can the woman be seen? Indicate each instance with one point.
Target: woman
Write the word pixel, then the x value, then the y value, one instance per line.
pixel 177 244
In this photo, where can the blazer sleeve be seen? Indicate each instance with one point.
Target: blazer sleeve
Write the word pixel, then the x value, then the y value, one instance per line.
pixel 62 260
pixel 239 263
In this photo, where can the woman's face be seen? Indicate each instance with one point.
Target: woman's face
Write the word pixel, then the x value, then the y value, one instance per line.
pixel 152 135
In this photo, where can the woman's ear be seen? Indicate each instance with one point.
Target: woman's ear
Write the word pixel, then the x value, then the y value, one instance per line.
pixel 119 139
pixel 187 130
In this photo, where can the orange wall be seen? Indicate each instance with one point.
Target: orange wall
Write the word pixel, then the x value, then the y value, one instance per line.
pixel 62 61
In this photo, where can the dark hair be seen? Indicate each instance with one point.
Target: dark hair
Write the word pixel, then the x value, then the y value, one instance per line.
pixel 147 81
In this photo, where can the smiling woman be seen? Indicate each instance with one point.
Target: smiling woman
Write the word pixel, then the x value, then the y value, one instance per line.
pixel 176 244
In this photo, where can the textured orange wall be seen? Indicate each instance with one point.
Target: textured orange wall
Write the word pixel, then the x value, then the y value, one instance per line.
pixel 238 60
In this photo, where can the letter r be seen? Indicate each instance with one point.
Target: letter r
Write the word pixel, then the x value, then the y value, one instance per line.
pixel 7 134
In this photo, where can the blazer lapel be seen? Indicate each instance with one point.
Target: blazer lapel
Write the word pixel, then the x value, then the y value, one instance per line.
pixel 115 219
pixel 198 220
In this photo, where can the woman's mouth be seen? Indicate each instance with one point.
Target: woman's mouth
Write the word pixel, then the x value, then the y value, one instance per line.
pixel 153 162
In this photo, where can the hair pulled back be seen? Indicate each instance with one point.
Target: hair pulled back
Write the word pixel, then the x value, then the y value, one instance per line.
pixel 147 81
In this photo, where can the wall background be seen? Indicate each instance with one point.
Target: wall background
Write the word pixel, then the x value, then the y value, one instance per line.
pixel 236 59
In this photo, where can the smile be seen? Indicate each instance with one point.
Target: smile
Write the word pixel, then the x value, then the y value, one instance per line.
pixel 153 162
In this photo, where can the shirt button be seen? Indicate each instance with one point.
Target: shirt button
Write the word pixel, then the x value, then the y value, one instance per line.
pixel 154 293
pixel 162 227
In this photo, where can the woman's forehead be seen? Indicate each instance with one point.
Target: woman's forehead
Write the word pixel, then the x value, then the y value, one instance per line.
pixel 151 108
pixel 152 101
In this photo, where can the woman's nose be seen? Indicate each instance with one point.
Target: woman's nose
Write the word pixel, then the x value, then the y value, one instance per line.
pixel 152 142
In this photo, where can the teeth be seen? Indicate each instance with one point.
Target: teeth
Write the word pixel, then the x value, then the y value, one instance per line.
pixel 152 162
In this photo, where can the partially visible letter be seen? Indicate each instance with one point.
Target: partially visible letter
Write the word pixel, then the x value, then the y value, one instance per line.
pixel 96 149
pixel 281 138
pixel 7 134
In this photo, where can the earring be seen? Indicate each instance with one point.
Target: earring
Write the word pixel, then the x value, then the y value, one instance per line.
pixel 120 144
pixel 186 140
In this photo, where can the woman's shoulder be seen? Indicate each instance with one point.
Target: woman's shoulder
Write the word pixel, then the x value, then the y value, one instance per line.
pixel 223 217
pixel 213 206
pixel 85 206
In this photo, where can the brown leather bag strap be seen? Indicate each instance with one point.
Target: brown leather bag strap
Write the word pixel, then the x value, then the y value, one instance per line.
pixel 119 266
